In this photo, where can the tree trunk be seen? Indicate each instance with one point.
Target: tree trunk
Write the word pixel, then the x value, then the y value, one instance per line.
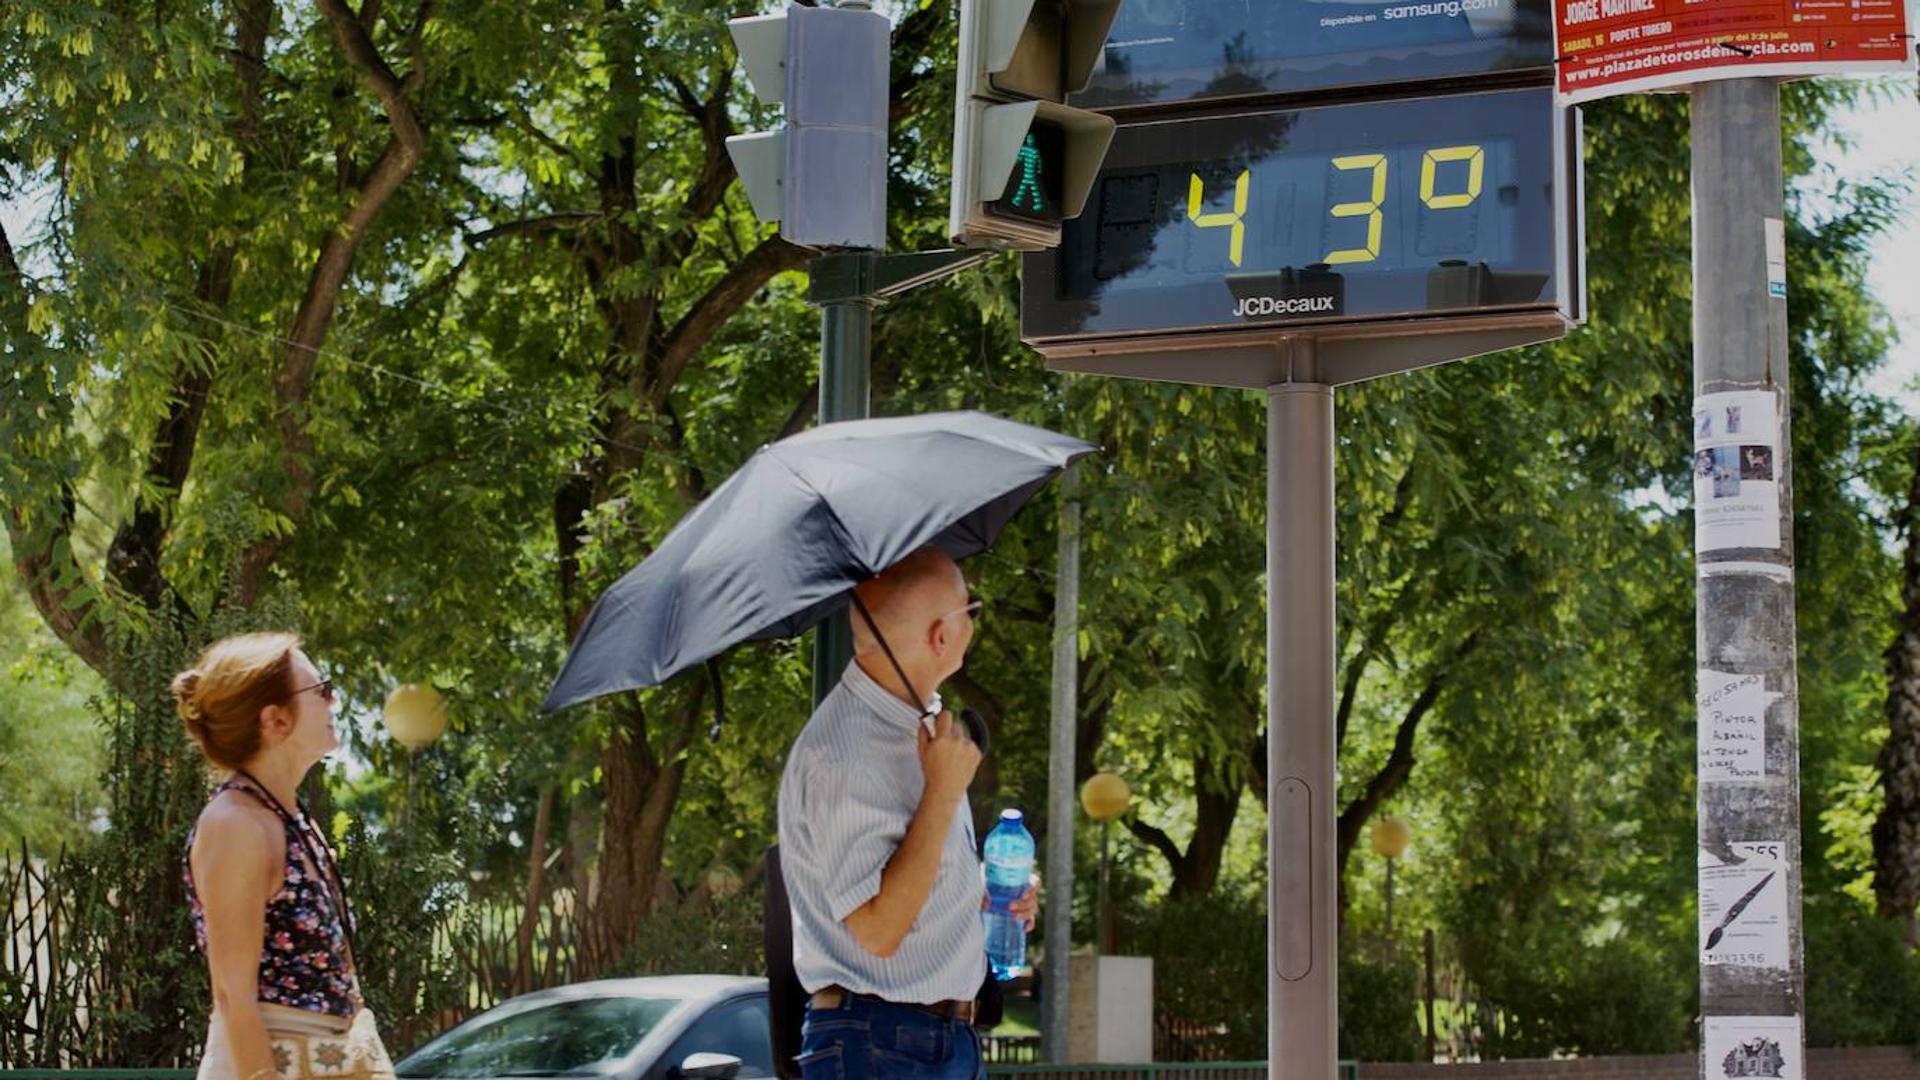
pixel 1896 833
pixel 536 890
pixel 640 797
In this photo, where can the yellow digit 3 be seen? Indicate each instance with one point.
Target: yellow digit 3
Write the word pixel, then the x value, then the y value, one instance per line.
pixel 1235 221
pixel 1371 207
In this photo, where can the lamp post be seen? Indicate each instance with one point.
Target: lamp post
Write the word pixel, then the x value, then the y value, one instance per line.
pixel 1104 797
pixel 1389 838
pixel 415 717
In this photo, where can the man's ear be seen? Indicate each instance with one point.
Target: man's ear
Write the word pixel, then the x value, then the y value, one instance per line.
pixel 937 637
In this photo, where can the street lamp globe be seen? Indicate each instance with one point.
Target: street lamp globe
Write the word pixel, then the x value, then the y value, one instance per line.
pixel 415 715
pixel 1105 796
pixel 1390 837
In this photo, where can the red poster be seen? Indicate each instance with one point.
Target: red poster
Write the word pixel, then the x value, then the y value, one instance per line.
pixel 1608 47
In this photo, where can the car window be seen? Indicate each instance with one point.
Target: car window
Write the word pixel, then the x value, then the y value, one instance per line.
pixel 739 1027
pixel 578 1037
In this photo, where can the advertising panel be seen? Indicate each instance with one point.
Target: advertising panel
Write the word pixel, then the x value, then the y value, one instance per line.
pixel 1608 47
pixel 1165 51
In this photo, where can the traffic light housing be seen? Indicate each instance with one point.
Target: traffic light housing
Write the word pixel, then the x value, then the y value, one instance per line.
pixel 1023 159
pixel 823 174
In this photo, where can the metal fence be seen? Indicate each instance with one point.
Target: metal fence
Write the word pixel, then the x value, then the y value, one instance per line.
pixel 1205 1070
pixel 1183 1070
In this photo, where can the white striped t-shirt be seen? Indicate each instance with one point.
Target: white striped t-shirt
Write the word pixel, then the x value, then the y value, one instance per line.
pixel 850 788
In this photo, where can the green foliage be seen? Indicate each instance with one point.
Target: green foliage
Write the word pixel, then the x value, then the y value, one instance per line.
pixel 1379 1009
pixel 1205 974
pixel 404 889
pixel 49 745
pixel 1862 982
pixel 722 936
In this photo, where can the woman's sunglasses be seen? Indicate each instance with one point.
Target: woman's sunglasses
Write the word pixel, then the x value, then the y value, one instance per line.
pixel 325 686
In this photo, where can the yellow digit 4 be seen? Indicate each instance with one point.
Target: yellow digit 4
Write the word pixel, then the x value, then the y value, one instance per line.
pixel 1430 164
pixel 1371 207
pixel 1235 221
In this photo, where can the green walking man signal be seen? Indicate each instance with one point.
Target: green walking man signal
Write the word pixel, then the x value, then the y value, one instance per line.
pixel 1029 190
pixel 1033 189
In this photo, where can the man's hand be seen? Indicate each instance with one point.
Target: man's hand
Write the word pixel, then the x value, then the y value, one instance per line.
pixel 948 759
pixel 1027 907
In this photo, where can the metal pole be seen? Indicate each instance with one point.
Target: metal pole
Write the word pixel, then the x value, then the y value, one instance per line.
pixel 1745 596
pixel 1427 941
pixel 1390 861
pixel 1060 770
pixel 846 346
pixel 1104 937
pixel 1302 1040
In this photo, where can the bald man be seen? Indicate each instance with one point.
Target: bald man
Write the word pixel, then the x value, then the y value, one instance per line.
pixel 877 845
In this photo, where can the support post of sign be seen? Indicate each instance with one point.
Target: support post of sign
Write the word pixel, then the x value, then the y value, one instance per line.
pixel 1061 809
pixel 846 362
pixel 1303 961
pixel 1751 974
pixel 847 286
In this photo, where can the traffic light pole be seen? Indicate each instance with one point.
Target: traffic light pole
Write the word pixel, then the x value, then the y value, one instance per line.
pixel 1303 961
pixel 846 361
pixel 847 286
pixel 1752 981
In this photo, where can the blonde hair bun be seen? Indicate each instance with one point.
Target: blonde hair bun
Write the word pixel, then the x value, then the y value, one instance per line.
pixel 220 697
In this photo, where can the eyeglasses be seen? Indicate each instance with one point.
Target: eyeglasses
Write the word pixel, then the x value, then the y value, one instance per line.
pixel 325 686
pixel 972 609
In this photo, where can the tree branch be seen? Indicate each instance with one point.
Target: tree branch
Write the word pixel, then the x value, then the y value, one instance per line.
pixel 544 225
pixel 1160 841
pixel 1400 761
pixel 59 588
pixel 720 302
pixel 406 146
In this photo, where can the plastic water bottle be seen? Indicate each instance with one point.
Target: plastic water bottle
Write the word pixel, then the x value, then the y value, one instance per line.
pixel 1009 853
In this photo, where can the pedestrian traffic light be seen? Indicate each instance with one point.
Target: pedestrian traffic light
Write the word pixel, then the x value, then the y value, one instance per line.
pixel 823 174
pixel 1023 160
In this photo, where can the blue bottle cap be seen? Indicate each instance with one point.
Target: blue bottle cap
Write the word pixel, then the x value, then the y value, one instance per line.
pixel 1010 815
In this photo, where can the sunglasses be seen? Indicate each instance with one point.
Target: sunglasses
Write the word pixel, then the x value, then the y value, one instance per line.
pixel 325 686
pixel 972 609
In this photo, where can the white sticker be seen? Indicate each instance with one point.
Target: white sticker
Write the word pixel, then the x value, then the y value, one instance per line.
pixel 1733 727
pixel 1743 906
pixel 1776 257
pixel 1742 1046
pixel 1736 488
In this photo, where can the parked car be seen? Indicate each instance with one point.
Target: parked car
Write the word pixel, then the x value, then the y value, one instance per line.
pixel 674 1027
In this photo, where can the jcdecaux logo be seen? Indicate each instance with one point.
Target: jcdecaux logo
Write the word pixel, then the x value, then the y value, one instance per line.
pixel 1274 305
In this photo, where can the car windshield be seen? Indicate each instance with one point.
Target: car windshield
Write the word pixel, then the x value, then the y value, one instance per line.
pixel 577 1037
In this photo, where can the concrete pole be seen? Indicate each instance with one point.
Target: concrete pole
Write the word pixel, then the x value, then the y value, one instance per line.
pixel 846 361
pixel 1745 597
pixel 1061 809
pixel 1302 1027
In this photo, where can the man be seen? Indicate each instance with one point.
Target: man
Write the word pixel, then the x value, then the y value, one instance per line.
pixel 877 845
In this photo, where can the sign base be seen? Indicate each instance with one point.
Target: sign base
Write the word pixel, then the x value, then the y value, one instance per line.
pixel 1258 358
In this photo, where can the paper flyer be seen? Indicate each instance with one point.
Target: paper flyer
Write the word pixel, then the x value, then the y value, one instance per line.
pixel 1743 906
pixel 1742 1046
pixel 1733 727
pixel 1736 495
pixel 1608 47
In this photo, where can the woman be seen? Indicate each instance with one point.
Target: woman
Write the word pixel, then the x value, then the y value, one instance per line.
pixel 268 906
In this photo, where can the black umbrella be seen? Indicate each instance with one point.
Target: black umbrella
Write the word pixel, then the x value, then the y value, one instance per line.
pixel 776 549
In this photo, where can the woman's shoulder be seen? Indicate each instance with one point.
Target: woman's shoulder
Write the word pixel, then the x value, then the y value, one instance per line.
pixel 234 822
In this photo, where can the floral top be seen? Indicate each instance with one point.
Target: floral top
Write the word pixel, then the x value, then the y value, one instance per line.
pixel 305 962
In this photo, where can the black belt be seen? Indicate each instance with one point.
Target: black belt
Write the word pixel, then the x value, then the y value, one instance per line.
pixel 833 997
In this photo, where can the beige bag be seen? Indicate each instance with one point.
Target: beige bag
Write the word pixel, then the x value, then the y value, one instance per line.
pixel 307 1046
pixel 356 1055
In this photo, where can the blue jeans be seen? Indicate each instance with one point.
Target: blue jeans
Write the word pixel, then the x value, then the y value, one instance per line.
pixel 869 1039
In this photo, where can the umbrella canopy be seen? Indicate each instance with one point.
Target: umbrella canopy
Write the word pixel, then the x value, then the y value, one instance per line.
pixel 775 550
